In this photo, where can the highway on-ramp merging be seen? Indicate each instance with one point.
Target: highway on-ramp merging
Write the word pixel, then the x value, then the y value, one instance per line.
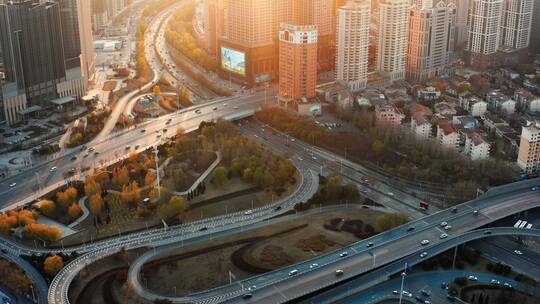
pixel 277 286
pixel 360 259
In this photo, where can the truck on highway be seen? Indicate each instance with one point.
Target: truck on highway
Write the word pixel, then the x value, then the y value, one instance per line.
pixel 424 206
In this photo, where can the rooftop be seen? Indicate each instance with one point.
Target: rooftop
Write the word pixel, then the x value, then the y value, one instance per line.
pixel 445 125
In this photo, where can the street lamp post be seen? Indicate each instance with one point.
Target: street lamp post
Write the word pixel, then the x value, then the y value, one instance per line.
pixel 156 151
pixel 403 274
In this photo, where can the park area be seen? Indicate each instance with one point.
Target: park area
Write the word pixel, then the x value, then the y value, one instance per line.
pixel 204 174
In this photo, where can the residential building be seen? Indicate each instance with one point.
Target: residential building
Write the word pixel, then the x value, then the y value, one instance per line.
pixel 447 135
pixel 103 12
pixel 319 13
pixel 476 147
pixel 420 125
pixel 535 35
pixel 492 122
pixel 388 113
pixel 526 101
pixel 494 99
pixel 461 33
pixel 87 56
pixel 297 61
pixel 529 148
pixel 353 44
pixel 210 23
pixel 474 105
pixel 516 24
pixel 329 92
pixel 431 40
pixel 392 38
pixel 508 107
pixel 428 93
pixel 464 122
pixel 483 23
pixel 445 108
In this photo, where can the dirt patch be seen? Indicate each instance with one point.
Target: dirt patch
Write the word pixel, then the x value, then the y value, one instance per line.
pixel 275 256
pixel 316 243
pixel 109 85
pixel 169 103
pixel 356 227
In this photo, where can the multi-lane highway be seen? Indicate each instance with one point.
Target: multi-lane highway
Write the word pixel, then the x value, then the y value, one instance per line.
pixel 382 274
pixel 361 259
pixel 140 137
pixel 325 162
pixel 387 247
pixel 180 78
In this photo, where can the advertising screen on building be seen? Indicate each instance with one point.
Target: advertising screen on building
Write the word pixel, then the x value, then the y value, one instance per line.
pixel 234 61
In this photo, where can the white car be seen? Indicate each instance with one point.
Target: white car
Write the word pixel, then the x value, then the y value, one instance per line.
pixel 424 242
pixel 423 254
pixel 314 265
pixel 390 193
pixel 12 185
pixel 518 252
pixel 293 272
pixel 443 236
pixel 53 169
pixel 507 285
pixel 407 294
pixel 472 278
pixel 344 254
pixel 447 227
pixel 248 212
pixel 444 224
pixel 395 292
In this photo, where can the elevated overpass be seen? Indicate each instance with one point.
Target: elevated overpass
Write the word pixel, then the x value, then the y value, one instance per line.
pixel 278 287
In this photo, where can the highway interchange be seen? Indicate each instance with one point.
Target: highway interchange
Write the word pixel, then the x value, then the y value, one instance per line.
pixel 275 287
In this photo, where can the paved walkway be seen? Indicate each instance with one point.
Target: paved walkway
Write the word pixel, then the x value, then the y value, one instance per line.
pixel 201 178
pixel 66 230
pixel 85 214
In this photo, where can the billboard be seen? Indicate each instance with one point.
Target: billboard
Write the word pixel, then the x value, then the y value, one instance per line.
pixel 233 61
